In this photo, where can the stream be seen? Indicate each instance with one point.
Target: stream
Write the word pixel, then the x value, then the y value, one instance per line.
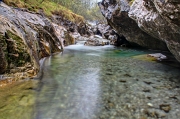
pixel 101 82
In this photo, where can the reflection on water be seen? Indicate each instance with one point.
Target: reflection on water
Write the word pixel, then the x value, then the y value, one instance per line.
pixel 70 88
pixel 86 82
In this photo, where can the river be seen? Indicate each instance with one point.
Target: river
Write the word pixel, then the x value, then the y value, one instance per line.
pixel 102 82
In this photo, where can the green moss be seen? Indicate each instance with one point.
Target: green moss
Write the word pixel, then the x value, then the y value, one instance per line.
pixel 69 40
pixel 49 7
pixel 131 2
pixel 17 50
pixel 3 45
pixel 18 100
pixel 3 54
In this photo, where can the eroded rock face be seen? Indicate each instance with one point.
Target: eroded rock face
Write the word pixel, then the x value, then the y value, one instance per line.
pixel 25 38
pixel 116 12
pixel 154 24
pixel 160 19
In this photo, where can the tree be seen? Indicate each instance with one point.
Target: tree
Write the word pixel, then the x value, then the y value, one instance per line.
pixel 86 8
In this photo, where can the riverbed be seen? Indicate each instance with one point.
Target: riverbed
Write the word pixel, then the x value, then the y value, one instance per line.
pixel 100 82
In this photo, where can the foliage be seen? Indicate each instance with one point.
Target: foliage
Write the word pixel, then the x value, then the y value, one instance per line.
pixel 94 14
pixel 48 6
pixel 66 8
pixel 86 8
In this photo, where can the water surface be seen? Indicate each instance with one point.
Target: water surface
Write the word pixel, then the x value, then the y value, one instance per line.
pixel 86 82
pixel 102 82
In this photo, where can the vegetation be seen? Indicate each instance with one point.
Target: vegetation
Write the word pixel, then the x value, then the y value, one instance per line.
pixel 48 6
pixel 86 8
pixel 72 10
pixel 17 52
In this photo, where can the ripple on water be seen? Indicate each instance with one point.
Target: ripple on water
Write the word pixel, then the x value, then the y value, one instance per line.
pixel 87 82
pixel 95 83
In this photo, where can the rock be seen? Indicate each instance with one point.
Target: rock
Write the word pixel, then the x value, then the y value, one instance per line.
pixel 109 73
pixel 165 107
pixel 97 36
pixel 155 113
pixel 148 82
pixel 96 41
pixel 116 13
pixel 150 105
pixel 145 57
pixel 158 56
pixel 107 32
pixel 160 19
pixel 152 24
pixel 26 37
pixel 122 80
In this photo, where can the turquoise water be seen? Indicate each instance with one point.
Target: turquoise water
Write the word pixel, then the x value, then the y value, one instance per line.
pixel 86 82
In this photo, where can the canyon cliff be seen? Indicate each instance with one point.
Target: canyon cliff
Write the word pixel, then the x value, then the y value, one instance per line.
pixel 25 38
pixel 154 24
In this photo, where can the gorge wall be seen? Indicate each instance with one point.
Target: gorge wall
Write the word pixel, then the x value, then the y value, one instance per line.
pixel 25 38
pixel 153 24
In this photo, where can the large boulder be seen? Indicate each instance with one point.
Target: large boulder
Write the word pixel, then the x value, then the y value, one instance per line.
pixel 160 19
pixel 152 24
pixel 25 38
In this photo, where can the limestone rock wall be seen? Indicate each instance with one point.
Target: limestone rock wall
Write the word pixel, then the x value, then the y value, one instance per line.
pixel 154 24
pixel 160 19
pixel 25 38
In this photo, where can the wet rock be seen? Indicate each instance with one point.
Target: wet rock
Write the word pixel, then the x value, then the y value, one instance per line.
pixel 148 82
pixel 160 19
pixel 155 113
pixel 158 56
pixel 109 73
pixel 146 90
pixel 127 75
pixel 96 41
pixel 165 107
pixel 27 100
pixel 26 37
pixel 151 24
pixel 150 105
pixel 116 13
pixel 122 80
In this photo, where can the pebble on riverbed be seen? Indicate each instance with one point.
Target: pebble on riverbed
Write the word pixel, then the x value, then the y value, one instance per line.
pixel 165 107
pixel 155 113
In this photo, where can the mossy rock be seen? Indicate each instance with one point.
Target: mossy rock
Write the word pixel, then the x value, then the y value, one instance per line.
pixel 145 57
pixel 69 40
pixel 17 50
pixel 3 54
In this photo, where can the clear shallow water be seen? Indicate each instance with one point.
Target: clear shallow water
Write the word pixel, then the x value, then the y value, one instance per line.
pixel 87 82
